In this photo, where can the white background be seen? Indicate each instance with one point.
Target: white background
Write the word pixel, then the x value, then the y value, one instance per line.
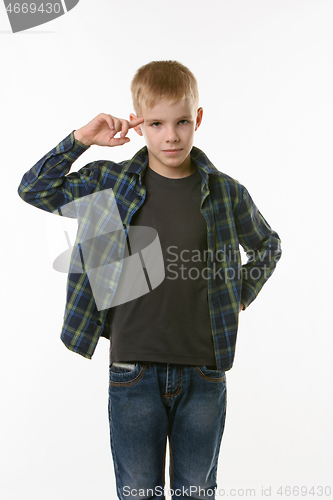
pixel 265 78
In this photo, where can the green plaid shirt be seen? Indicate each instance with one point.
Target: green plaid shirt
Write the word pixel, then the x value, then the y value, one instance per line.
pixel 231 217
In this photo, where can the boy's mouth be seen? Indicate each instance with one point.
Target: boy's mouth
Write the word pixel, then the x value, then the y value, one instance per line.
pixel 172 151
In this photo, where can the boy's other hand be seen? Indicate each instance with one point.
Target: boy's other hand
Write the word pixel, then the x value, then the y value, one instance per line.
pixel 241 308
pixel 102 129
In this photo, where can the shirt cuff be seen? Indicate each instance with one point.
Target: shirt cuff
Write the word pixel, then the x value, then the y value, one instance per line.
pixel 71 144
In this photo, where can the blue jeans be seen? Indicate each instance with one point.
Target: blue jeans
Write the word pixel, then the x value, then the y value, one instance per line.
pixel 156 401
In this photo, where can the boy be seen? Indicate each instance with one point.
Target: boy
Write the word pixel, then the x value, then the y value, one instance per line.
pixel 171 346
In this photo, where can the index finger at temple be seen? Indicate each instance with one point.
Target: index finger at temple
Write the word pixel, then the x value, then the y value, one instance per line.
pixel 136 122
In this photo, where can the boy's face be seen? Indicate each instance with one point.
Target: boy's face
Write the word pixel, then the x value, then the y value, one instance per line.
pixel 168 130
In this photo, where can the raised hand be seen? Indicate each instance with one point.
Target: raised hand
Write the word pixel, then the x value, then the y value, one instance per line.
pixel 102 129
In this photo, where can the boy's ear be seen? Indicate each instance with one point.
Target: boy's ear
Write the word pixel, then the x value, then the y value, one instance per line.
pixel 138 127
pixel 199 118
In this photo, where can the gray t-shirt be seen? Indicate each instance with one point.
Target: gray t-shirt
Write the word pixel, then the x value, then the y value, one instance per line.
pixel 171 323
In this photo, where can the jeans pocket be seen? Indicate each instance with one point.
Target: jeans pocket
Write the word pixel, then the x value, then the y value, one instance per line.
pixel 122 367
pixel 210 375
pixel 121 375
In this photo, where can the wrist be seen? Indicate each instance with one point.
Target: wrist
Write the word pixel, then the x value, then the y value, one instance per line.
pixel 78 136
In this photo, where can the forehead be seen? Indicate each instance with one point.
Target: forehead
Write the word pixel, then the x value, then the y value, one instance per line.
pixel 166 109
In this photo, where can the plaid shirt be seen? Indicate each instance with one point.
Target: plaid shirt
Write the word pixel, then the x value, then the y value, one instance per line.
pixel 231 218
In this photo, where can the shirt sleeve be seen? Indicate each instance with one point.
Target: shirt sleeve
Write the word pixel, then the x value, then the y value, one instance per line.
pixel 262 246
pixel 48 187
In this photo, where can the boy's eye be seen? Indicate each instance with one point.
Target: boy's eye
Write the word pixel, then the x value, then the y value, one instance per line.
pixel 157 124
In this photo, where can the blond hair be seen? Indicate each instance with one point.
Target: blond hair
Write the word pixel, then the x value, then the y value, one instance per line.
pixel 168 80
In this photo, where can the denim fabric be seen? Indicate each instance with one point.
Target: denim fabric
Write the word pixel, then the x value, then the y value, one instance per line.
pixel 155 401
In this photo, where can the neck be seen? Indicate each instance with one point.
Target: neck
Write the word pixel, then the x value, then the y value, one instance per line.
pixel 184 170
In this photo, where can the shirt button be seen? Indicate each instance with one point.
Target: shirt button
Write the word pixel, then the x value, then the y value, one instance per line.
pixel 99 322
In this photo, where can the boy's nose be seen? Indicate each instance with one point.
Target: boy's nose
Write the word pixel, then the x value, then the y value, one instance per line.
pixel 171 135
